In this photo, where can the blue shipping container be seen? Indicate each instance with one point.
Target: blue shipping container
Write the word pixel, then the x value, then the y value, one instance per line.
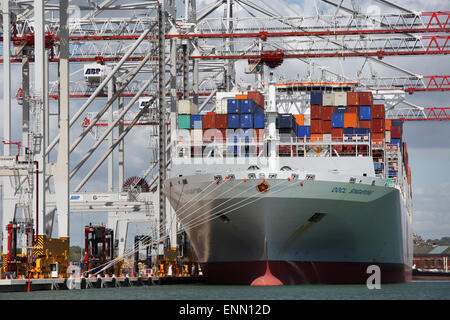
pixel 361 131
pixel 233 121
pixel 337 120
pixel 246 121
pixel 365 113
pixel 233 105
pixel 196 121
pixel 397 123
pixel 349 131
pixel 285 121
pixel 258 120
pixel 303 131
pixel 249 106
pixel 316 97
pixel 396 142
pixel 340 109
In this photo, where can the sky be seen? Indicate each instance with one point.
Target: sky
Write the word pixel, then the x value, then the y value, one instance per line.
pixel 428 141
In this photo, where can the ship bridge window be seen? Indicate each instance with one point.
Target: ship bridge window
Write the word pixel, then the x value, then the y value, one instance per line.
pixel 294 176
pixel 286 168
pixel 253 168
pixel 352 180
pixel 310 177
pixel 272 175
pixel 252 176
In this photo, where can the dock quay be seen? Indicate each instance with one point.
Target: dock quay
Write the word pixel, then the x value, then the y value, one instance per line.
pixel 21 285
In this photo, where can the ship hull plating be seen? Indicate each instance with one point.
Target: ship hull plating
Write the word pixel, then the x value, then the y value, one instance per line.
pixel 308 231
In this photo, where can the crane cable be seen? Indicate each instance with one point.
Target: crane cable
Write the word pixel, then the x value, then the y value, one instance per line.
pixel 131 251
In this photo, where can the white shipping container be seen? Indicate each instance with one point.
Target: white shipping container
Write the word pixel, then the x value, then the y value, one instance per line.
pixel 328 99
pixel 187 107
pixel 327 137
pixel 222 106
pixel 307 120
pixel 388 137
pixel 340 99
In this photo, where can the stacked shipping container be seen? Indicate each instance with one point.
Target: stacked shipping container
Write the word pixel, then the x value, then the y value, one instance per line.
pixel 338 116
pixel 233 111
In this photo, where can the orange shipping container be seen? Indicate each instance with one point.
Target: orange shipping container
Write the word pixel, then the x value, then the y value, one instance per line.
pixel 388 124
pixel 350 120
pixel 352 99
pixel 241 96
pixel 316 137
pixel 300 119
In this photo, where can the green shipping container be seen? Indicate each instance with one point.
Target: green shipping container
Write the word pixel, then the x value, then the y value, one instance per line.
pixel 184 121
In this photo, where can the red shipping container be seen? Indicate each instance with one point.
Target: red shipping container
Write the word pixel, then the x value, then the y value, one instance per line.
pixel 378 111
pixel 352 99
pixel 365 124
pixel 257 97
pixel 209 121
pixel 327 112
pixel 326 126
pixel 337 133
pixel 353 109
pixel 365 98
pixel 316 126
pixel 378 125
pixel 221 121
pixel 396 132
pixel 316 112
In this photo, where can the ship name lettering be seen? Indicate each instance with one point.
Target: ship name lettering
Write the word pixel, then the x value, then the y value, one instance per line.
pixel 338 190
pixel 362 192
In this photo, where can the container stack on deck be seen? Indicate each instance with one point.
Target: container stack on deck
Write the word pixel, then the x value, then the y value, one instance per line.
pixel 235 114
pixel 334 117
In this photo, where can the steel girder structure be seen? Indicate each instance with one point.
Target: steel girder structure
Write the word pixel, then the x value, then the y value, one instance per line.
pixel 122 72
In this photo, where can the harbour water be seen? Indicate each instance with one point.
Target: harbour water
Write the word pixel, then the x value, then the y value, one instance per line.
pixel 415 290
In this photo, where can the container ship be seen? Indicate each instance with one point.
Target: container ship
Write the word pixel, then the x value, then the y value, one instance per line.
pixel 311 198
